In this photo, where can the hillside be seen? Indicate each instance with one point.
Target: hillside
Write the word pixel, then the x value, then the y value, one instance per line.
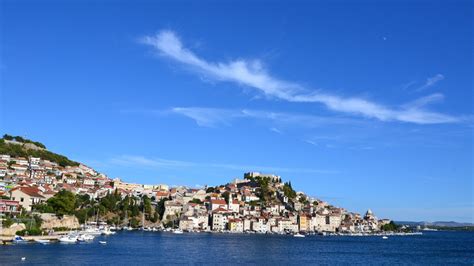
pixel 17 146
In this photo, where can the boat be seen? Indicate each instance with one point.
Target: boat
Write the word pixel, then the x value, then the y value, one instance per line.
pixel 68 239
pixel 384 237
pixel 107 232
pixel 18 239
pixel 298 235
pixel 92 231
pixel 42 241
pixel 85 238
pixel 177 231
pixel 103 242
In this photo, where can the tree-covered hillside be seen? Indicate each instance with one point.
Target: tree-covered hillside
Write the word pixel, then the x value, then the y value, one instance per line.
pixel 20 150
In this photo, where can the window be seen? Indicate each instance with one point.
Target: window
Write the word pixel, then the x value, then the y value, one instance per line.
pixel 22 199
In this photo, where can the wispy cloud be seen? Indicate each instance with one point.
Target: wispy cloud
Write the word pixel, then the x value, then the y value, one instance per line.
pixel 213 117
pixel 251 73
pixel 276 130
pixel 431 81
pixel 160 163
pixel 208 117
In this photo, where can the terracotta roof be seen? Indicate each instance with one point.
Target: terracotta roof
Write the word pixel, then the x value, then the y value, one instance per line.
pixel 218 202
pixel 220 210
pixel 31 191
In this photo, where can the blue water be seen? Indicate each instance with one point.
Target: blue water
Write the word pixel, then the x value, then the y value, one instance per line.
pixel 126 248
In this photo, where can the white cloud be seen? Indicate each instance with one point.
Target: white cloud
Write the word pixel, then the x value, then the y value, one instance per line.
pixel 212 117
pixel 431 81
pixel 208 117
pixel 160 163
pixel 251 73
pixel 276 130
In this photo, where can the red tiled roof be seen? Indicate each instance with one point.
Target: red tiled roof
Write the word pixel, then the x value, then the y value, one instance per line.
pixel 31 191
pixel 221 210
pixel 218 202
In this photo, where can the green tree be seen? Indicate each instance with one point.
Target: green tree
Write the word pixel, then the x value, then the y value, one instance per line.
pixel 160 207
pixel 197 201
pixel 63 202
pixel 226 196
pixel 390 226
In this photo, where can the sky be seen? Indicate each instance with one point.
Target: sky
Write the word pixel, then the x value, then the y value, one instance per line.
pixel 364 104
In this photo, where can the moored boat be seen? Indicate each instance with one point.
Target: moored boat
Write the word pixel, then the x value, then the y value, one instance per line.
pixel 177 231
pixel 42 241
pixel 68 239
pixel 18 239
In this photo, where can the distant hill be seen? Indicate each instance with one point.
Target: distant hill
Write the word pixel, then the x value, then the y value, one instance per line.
pixel 17 146
pixel 437 223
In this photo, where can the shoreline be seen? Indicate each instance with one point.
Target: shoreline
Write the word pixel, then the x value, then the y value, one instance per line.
pixel 6 240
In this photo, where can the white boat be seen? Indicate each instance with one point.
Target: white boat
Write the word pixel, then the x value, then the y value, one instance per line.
pixel 107 232
pixel 42 241
pixel 298 235
pixel 92 231
pixel 177 231
pixel 18 239
pixel 85 238
pixel 103 242
pixel 384 237
pixel 68 239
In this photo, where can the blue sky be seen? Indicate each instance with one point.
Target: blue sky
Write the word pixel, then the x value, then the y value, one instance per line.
pixel 364 105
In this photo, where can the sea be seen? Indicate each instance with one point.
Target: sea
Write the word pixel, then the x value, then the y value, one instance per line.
pixel 162 248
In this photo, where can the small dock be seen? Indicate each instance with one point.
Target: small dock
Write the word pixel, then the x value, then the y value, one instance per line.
pixel 5 240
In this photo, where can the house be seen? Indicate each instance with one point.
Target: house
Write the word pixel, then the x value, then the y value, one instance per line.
pixel 88 182
pixel 21 161
pixel 19 169
pixel 187 223
pixel 236 225
pixel 219 219
pixel 27 196
pixel 234 205
pixel 34 161
pixel 3 171
pixel 303 222
pixel 5 157
pixel 218 203
pixel 9 207
pixel 159 195
pixel 172 208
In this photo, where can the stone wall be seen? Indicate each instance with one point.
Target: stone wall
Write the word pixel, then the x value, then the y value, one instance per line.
pixel 51 221
pixel 12 229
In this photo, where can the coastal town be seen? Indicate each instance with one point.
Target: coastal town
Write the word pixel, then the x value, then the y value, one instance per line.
pixel 254 203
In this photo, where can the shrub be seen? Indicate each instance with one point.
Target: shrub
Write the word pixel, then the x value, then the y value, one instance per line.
pixel 30 232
